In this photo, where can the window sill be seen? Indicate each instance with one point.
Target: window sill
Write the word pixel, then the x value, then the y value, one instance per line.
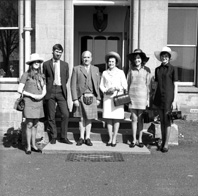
pixel 8 80
pixel 9 84
pixel 187 89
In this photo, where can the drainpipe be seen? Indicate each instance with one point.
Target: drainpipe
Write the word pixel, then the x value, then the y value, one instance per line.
pixel 21 41
pixel 136 25
pixel 27 30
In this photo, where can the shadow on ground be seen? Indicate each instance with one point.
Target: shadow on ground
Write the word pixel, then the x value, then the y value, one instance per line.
pixel 14 139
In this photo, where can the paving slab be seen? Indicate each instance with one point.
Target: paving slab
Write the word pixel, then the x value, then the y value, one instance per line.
pixel 98 146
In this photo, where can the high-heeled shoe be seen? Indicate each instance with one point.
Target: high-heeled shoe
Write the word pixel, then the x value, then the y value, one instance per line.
pixel 113 145
pixel 141 145
pixel 164 150
pixel 108 144
pixel 28 152
pixel 37 150
pixel 132 145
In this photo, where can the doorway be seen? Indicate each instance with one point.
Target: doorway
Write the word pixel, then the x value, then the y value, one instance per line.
pixel 115 37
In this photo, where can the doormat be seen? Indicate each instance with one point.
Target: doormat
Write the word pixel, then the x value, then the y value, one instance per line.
pixel 95 157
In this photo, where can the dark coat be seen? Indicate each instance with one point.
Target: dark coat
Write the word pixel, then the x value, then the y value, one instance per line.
pixel 49 74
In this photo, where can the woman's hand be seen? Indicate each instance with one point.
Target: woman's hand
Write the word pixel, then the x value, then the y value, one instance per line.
pixel 98 102
pixel 174 105
pixel 110 91
pixel 76 103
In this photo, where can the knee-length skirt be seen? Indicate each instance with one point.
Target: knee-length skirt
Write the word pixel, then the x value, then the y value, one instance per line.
pixel 33 109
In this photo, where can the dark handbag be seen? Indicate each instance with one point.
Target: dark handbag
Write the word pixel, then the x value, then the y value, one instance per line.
pixel 175 115
pixel 88 100
pixel 121 99
pixel 19 104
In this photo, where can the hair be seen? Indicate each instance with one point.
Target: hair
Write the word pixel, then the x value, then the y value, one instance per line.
pixel 162 53
pixel 133 62
pixel 39 77
pixel 57 47
pixel 112 56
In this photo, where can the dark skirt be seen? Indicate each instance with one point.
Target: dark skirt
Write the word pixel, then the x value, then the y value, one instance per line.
pixel 86 111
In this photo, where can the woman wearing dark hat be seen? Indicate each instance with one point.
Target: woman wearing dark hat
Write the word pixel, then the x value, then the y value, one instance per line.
pixel 139 88
pixel 32 86
pixel 165 96
pixel 113 82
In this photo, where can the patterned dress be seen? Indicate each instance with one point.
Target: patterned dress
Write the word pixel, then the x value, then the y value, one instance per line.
pixel 110 79
pixel 33 108
pixel 138 83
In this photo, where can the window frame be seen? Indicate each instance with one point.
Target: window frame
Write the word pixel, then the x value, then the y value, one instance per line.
pixel 187 45
pixel 10 79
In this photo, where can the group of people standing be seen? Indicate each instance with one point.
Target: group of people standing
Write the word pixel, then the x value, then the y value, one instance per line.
pixel 87 86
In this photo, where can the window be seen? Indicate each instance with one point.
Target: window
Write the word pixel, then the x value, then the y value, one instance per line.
pixel 182 38
pixel 9 39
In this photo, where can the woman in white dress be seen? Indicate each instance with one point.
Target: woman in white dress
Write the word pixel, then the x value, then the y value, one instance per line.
pixel 113 82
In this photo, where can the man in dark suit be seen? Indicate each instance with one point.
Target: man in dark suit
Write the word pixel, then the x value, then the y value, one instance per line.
pixel 85 83
pixel 57 74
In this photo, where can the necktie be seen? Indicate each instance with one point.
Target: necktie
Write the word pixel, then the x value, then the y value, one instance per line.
pixel 56 74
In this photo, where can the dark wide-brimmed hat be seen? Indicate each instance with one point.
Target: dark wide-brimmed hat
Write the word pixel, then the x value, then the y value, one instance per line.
pixel 113 54
pixel 34 57
pixel 165 49
pixel 135 52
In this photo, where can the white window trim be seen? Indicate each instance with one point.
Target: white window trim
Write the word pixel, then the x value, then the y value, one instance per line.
pixel 183 45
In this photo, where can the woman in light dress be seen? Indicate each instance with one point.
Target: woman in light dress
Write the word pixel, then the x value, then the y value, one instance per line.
pixel 113 82
pixel 139 91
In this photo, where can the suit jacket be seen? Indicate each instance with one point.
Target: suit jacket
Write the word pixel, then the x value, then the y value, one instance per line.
pixel 49 74
pixel 78 81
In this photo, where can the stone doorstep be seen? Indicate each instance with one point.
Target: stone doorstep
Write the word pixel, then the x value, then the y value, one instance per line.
pixel 98 146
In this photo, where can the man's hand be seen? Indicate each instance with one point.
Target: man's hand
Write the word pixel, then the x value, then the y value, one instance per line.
pixel 174 105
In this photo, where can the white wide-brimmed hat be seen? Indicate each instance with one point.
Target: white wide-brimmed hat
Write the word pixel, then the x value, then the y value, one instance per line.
pixel 34 57
pixel 173 54
pixel 113 54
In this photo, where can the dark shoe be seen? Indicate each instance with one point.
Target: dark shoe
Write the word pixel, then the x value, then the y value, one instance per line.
pixel 53 141
pixel 88 142
pixel 132 145
pixel 37 150
pixel 164 150
pixel 113 145
pixel 66 141
pixel 141 145
pixel 80 142
pixel 28 152
pixel 108 144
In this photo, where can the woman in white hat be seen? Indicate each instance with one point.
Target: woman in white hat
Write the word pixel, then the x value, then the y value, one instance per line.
pixel 165 99
pixel 32 87
pixel 139 88
pixel 113 82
